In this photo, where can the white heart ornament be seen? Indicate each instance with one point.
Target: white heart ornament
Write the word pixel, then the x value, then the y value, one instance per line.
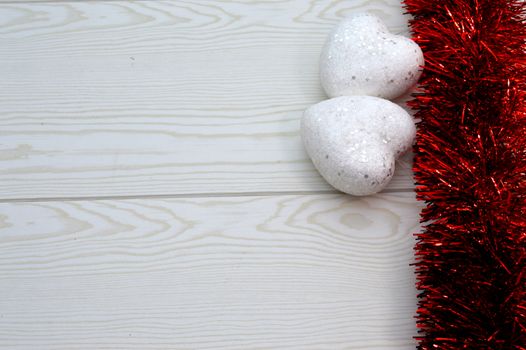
pixel 361 57
pixel 354 141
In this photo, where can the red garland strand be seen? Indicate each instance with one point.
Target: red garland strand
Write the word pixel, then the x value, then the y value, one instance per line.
pixel 470 169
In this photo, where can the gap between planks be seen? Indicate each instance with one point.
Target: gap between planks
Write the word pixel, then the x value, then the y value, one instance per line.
pixel 189 195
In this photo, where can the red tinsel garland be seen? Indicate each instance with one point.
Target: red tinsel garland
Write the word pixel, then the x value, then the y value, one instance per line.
pixel 470 165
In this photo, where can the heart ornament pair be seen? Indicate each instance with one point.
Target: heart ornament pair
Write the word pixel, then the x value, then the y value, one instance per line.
pixel 355 137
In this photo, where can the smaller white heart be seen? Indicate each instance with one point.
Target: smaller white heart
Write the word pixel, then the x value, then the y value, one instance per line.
pixel 354 141
pixel 361 57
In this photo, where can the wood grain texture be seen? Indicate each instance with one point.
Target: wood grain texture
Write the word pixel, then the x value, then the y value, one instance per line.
pixel 163 97
pixel 280 272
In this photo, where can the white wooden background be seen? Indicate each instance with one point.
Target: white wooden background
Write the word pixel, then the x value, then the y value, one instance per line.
pixel 154 193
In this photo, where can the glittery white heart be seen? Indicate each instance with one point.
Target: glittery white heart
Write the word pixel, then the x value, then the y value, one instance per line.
pixel 354 141
pixel 361 57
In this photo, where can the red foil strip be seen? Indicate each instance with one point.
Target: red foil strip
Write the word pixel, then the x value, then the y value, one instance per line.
pixel 470 169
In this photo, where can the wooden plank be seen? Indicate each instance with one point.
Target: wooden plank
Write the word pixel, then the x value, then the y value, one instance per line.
pixel 294 272
pixel 163 97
